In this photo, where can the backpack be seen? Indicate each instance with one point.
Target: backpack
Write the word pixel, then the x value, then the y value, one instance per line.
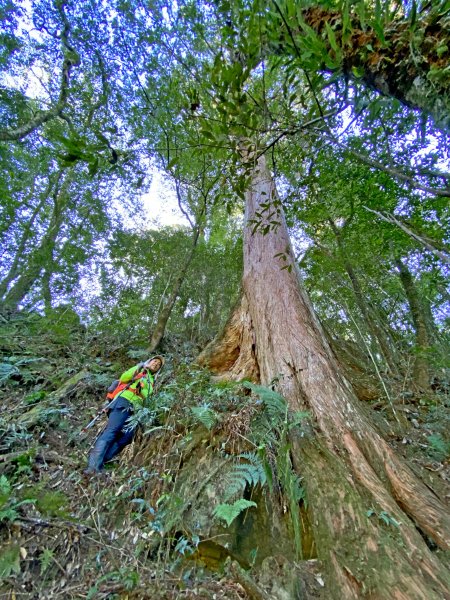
pixel 117 386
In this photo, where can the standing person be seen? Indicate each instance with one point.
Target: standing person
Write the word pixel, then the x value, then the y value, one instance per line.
pixel 132 396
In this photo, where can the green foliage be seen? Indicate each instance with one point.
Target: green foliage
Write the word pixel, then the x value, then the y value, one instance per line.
pixel 208 107
pixel 15 365
pixel 201 85
pixel 170 513
pixel 228 512
pixel 7 512
pixel 12 434
pixel 48 502
pixel 272 435
pixel 274 403
pixel 5 489
pixel 205 415
pixel 243 474
pixel 51 503
pixel 24 461
pixel 7 370
pixel 9 505
pixel 276 409
pixel 186 546
pixel 9 561
pixel 439 447
pixel 158 256
pixel 34 397
pixel 129 578
pixel 46 559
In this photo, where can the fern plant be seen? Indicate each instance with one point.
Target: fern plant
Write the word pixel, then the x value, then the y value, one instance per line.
pixel 274 429
pixel 249 473
pixel 205 415
pixel 228 512
pixel 274 403
pixel 46 559
pixel 8 503
pixel 10 561
pixel 242 474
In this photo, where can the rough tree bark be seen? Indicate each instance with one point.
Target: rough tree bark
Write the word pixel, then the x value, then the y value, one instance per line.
pixel 348 469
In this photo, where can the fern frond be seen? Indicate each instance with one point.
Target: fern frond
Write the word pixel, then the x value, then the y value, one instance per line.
pixel 228 512
pixel 274 402
pixel 259 472
pixel 242 474
pixel 206 415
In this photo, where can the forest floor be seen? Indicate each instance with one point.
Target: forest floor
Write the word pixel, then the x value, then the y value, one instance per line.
pixel 63 536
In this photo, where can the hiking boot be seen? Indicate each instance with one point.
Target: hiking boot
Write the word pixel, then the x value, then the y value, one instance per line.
pixel 93 474
pixel 90 472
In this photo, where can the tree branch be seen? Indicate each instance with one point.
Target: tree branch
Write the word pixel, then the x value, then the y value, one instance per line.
pixel 71 59
pixel 388 61
pixel 445 192
pixel 389 218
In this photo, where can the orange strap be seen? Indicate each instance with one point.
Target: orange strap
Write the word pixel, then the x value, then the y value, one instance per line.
pixel 124 386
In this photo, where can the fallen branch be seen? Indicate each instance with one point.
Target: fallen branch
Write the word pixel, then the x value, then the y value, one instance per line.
pixel 60 524
pixel 254 591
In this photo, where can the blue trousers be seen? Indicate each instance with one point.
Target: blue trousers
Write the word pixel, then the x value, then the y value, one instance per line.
pixel 114 437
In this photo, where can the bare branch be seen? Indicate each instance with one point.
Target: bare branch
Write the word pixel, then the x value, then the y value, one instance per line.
pixel 180 203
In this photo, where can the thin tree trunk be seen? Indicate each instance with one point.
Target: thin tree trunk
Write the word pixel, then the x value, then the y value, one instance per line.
pixel 367 312
pixel 46 290
pixel 71 59
pixel 348 469
pixel 42 256
pixel 165 312
pixel 26 235
pixel 428 243
pixel 421 372
pixel 9 219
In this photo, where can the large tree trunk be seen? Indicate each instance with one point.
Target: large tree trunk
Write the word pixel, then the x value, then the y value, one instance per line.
pixel 347 468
